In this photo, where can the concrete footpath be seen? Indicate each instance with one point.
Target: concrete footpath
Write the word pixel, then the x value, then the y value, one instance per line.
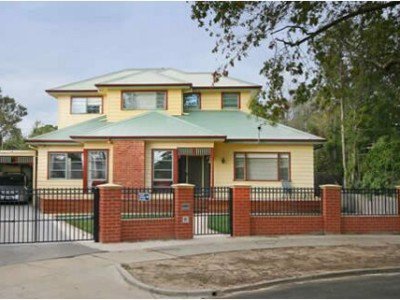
pixel 93 274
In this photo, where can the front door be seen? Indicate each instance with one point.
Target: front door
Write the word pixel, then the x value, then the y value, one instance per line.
pixel 195 170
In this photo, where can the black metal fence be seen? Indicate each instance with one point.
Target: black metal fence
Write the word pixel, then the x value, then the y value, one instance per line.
pixel 212 211
pixel 369 202
pixel 145 203
pixel 47 215
pixel 285 201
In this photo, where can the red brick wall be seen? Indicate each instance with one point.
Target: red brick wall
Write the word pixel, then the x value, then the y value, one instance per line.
pixel 61 206
pixel 272 225
pixel 184 195
pixel 331 208
pixel 241 211
pixel 147 229
pixel 129 163
pixel 370 224
pixel 287 206
pixel 110 214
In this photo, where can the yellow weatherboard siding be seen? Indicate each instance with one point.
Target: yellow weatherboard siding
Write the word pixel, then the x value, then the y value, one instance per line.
pixel 115 112
pixel 65 118
pixel 42 170
pixel 302 163
pixel 210 100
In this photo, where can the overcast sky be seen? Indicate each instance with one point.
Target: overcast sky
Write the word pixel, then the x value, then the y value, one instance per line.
pixel 44 44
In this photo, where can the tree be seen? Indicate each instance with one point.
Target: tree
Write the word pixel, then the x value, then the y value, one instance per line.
pixel 382 164
pixel 15 141
pixel 339 56
pixel 11 113
pixel 39 128
pixel 290 32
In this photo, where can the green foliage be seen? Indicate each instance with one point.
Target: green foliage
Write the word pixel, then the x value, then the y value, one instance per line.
pixel 292 34
pixel 382 164
pixel 332 68
pixel 11 113
pixel 15 141
pixel 39 128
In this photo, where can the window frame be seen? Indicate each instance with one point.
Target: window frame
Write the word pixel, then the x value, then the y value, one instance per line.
pixel 87 97
pixel 262 152
pixel 231 108
pixel 172 167
pixel 66 170
pixel 183 101
pixel 144 91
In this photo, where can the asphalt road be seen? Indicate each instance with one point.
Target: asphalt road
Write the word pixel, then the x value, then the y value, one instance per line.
pixel 383 286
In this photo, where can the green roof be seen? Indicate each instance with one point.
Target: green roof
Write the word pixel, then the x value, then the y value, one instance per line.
pixel 64 134
pixel 154 77
pixel 237 125
pixel 226 125
pixel 151 125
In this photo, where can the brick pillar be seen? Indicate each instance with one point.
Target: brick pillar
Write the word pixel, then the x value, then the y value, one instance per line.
pixel 183 210
pixel 331 208
pixel 241 210
pixel 110 213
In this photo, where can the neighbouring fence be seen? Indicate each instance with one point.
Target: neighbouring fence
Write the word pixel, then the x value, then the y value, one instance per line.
pixel 147 203
pixel 370 210
pixel 285 201
pixel 369 202
pixel 46 215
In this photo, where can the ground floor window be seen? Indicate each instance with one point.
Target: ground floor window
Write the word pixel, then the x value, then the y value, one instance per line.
pixel 65 165
pixel 262 166
pixel 162 168
pixel 97 167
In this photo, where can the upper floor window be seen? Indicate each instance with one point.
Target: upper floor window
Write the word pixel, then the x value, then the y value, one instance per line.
pixel 144 100
pixel 86 105
pixel 191 101
pixel 262 166
pixel 230 100
pixel 65 165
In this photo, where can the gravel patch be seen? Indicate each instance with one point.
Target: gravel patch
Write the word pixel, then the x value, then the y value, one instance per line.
pixel 227 269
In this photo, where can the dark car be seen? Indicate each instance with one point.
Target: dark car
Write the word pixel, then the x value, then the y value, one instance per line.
pixel 13 188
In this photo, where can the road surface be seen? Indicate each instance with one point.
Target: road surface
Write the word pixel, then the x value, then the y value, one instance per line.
pixel 369 286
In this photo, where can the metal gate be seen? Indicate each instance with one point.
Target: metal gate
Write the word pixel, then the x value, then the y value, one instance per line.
pixel 212 211
pixel 48 215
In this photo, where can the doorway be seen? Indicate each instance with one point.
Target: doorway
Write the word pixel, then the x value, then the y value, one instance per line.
pixel 194 170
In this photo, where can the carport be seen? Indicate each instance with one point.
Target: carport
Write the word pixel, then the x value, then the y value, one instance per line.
pixel 19 161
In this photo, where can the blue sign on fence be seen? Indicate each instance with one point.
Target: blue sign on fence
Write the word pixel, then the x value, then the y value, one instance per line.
pixel 144 196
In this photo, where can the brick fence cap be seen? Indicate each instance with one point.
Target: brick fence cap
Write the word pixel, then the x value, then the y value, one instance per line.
pixel 397 187
pixel 330 186
pixel 109 186
pixel 183 185
pixel 241 185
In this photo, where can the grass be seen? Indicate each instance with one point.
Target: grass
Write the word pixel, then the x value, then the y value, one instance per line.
pixel 83 224
pixel 220 223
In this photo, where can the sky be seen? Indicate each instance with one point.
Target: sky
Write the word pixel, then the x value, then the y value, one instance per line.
pixel 48 44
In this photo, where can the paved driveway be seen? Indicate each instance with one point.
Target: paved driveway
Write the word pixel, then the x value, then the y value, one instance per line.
pixel 25 224
pixel 25 253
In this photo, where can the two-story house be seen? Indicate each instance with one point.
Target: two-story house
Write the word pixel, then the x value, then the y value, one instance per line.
pixel 155 127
